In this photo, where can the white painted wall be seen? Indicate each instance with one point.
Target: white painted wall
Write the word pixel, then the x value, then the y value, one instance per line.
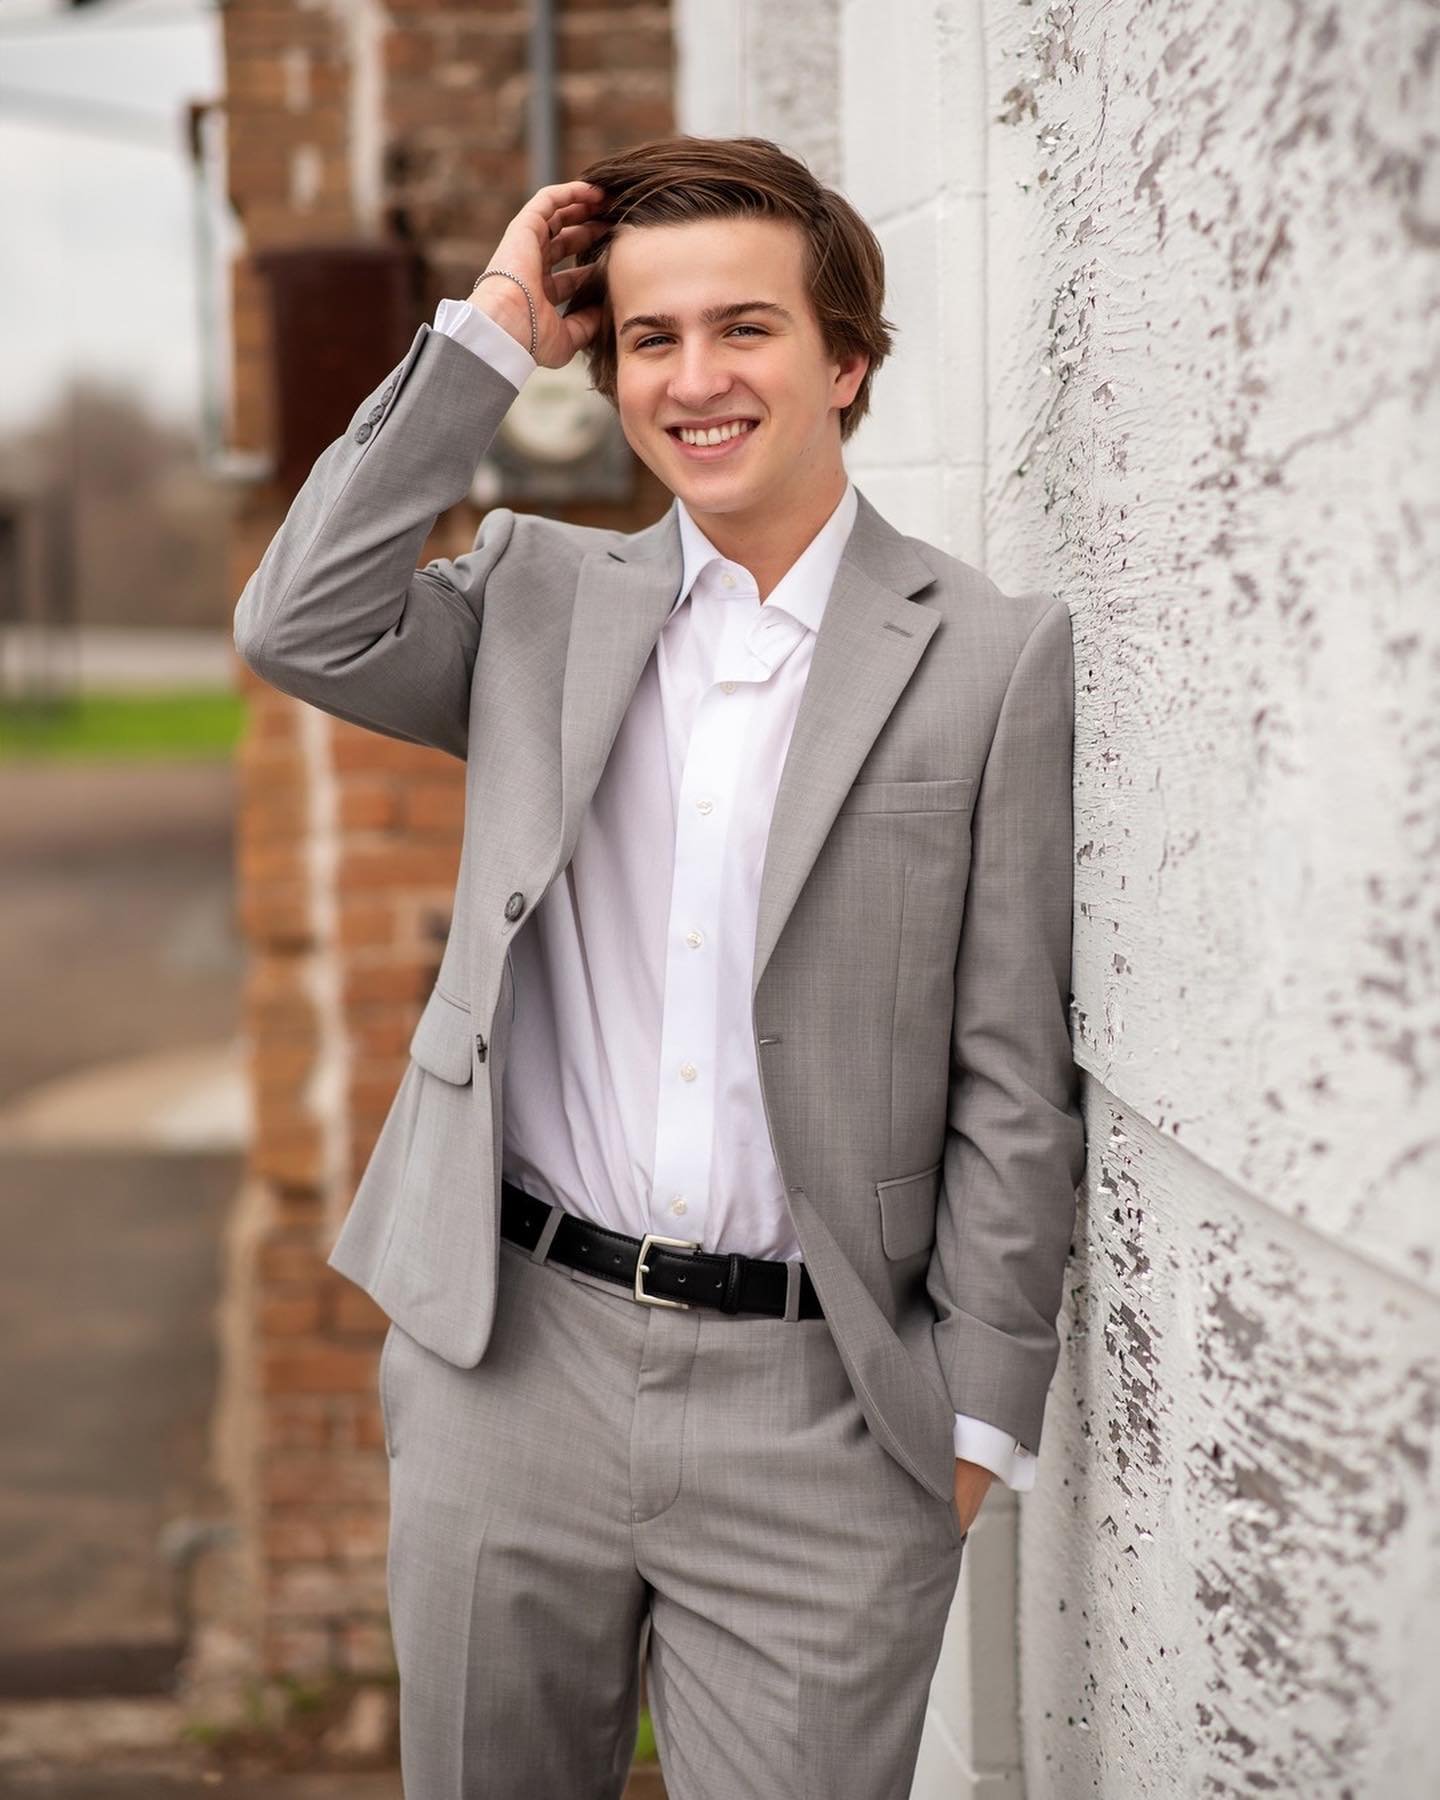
pixel 1162 276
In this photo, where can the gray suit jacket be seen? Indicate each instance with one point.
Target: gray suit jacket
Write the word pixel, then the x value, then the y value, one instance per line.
pixel 911 980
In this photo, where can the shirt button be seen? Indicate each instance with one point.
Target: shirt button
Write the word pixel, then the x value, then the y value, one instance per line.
pixel 705 806
pixel 687 1071
pixel 694 939
pixel 728 686
pixel 678 1204
pixel 727 579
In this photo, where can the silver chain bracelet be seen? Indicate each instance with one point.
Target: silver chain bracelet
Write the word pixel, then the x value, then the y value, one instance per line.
pixel 534 326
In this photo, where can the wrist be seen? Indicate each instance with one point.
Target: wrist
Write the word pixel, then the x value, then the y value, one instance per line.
pixel 503 302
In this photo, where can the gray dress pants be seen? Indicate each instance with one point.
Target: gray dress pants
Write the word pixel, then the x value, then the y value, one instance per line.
pixel 616 1481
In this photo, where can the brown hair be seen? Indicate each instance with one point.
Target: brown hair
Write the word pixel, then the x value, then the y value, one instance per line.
pixel 675 180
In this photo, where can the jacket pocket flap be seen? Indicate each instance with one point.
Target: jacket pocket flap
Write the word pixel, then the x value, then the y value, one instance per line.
pixel 444 1039
pixel 951 794
pixel 907 1211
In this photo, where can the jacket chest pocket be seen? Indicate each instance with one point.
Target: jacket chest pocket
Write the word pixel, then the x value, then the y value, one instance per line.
pixel 907 1211
pixel 950 794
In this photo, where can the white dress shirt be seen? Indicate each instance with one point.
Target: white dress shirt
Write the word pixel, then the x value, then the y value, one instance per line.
pixel 631 1091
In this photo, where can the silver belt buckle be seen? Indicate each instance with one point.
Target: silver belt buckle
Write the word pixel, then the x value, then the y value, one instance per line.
pixel 642 1268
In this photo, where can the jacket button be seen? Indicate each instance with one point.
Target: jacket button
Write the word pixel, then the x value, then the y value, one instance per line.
pixel 480 1046
pixel 375 414
pixel 514 906
pixel 363 433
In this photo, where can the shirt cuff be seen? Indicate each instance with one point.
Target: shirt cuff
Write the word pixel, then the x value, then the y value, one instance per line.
pixel 492 343
pixel 977 1441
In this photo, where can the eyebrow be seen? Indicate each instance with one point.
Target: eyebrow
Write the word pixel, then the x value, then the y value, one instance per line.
pixel 712 315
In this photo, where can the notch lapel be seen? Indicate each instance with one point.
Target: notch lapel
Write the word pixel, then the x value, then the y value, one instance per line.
pixel 623 597
pixel 870 640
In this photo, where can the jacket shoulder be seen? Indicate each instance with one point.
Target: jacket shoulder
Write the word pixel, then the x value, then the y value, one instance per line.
pixel 555 541
pixel 979 613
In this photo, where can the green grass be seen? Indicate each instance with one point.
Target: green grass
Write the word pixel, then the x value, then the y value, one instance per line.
pixel 645 1741
pixel 204 723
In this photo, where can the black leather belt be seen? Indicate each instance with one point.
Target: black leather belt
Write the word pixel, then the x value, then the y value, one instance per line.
pixel 653 1271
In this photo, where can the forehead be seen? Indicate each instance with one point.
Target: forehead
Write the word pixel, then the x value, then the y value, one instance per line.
pixel 682 268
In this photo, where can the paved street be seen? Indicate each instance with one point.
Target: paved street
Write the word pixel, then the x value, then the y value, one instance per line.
pixel 117 910
pixel 117 947
pixel 116 943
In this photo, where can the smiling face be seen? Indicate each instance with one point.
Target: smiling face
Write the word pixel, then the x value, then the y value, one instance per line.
pixel 714 329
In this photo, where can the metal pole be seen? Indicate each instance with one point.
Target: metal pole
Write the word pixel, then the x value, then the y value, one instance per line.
pixel 543 129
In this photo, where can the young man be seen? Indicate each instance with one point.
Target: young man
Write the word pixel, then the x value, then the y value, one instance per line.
pixel 722 1212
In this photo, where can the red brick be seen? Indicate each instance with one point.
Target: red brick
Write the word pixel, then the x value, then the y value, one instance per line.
pixel 364 922
pixel 401 865
pixel 353 749
pixel 353 1312
pixel 384 1038
pixel 289 1316
pixel 316 1369
pixel 286 1260
pixel 429 806
pixel 284 1062
pixel 368 806
pixel 359 1535
pixel 292 1540
pixel 394 981
pixel 324 1479
pixel 292 1156
pixel 297 1423
pixel 277 915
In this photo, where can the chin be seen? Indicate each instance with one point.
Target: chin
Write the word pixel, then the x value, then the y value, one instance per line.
pixel 717 498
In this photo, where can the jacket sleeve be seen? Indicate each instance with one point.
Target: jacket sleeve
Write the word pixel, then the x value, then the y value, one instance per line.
pixel 1015 1139
pixel 337 613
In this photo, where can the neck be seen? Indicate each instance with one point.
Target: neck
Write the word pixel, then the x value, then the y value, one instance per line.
pixel 769 542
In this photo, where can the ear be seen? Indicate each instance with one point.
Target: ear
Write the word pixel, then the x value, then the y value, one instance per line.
pixel 849 373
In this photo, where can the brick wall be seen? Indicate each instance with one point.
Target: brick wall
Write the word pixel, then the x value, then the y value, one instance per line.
pixel 340 127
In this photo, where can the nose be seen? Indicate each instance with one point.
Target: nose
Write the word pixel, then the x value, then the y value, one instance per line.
pixel 699 378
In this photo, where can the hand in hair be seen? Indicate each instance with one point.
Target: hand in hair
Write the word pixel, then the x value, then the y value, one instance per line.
pixel 553 224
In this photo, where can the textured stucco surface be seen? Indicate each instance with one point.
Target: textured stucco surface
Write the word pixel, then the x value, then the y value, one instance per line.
pixel 1218 228
pixel 1165 278
pixel 1229 1565
pixel 1213 237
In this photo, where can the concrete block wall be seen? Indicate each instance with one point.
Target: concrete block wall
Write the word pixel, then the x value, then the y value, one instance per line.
pixel 1163 278
pixel 345 119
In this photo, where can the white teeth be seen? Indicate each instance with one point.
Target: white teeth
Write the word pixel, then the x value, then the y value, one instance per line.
pixel 718 434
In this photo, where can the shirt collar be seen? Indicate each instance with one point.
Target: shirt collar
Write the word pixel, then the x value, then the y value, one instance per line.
pixel 804 588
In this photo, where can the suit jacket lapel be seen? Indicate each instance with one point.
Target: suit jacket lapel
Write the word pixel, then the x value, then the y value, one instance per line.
pixel 870 640
pixel 871 637
pixel 622 599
